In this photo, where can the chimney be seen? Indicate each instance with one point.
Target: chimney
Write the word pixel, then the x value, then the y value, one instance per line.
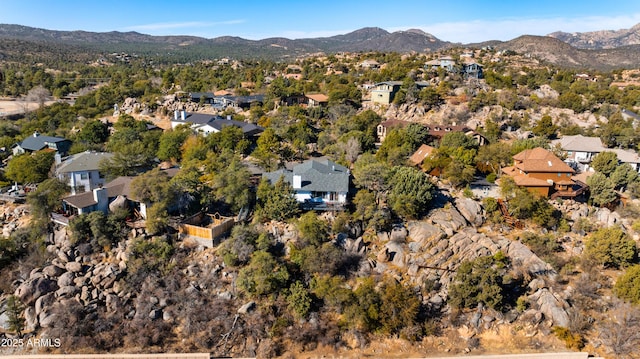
pixel 175 115
pixel 228 117
pixel 36 133
pixel 184 115
pixel 297 181
pixel 57 158
pixel 101 196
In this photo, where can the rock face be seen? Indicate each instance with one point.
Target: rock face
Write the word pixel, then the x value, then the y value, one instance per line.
pixel 32 289
pixel 552 306
pixel 471 210
pixel 433 249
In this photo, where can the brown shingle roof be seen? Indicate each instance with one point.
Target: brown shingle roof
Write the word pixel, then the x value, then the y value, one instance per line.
pixel 540 160
pixel 318 97
pixel 423 152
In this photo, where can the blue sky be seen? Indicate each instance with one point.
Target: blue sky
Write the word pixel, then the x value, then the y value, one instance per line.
pixel 457 21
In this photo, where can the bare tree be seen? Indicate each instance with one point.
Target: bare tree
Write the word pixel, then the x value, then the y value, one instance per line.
pixel 38 94
pixel 352 150
pixel 621 332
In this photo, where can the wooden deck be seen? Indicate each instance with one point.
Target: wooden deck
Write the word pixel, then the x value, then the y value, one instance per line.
pixel 578 189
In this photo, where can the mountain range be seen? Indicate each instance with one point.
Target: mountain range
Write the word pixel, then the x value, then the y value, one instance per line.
pixel 604 49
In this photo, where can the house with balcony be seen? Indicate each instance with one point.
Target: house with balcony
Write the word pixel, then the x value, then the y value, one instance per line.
pixel 318 184
pixel 114 194
pixel 81 172
pixel 581 150
pixel 542 172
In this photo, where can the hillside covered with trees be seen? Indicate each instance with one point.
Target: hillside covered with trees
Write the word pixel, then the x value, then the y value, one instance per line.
pixel 421 260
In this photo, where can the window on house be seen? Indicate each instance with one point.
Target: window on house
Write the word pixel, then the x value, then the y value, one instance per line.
pixel 84 176
pixel 559 174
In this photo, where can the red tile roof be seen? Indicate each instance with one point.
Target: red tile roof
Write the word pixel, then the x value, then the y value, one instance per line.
pixel 540 160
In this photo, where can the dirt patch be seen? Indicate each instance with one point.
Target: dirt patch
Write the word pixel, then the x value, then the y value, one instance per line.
pixel 14 107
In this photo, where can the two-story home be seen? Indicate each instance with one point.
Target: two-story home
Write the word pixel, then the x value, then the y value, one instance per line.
pixel 206 124
pixel 581 150
pixel 81 172
pixel 318 184
pixel 116 192
pixel 384 92
pixel 445 62
pixel 542 172
pixel 37 142
pixel 471 69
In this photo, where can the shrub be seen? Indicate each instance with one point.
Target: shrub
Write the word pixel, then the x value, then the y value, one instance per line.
pixel 263 276
pixel 628 285
pixel 611 247
pixel 571 340
pixel 478 281
pixel 299 300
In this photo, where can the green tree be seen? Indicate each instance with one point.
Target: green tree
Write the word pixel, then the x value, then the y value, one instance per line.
pixel 364 313
pixel 231 184
pixel 154 189
pixel 268 149
pixel 611 247
pixel 479 281
pixel 14 312
pixel 312 231
pixel 369 173
pixel 624 175
pixel 411 191
pixel 602 189
pixel 394 149
pixel 47 198
pixel 94 132
pixel 458 173
pixel 605 162
pixel 275 201
pixel 171 143
pixel 545 127
pixel 299 300
pixel 263 276
pixel 30 168
pixel 399 309
pixel 241 244
pixel 130 159
pixel 627 286
pixel 493 157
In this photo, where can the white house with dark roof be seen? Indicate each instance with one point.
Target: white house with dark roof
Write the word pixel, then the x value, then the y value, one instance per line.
pixel 206 124
pixel 81 172
pixel 318 184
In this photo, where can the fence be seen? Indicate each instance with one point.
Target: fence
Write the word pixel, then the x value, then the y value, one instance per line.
pixel 214 226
